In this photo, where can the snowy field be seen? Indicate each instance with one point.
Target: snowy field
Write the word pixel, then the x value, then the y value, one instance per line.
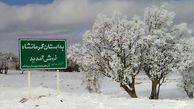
pixel 14 88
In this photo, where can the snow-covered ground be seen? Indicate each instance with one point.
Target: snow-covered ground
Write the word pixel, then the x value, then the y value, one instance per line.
pixel 14 88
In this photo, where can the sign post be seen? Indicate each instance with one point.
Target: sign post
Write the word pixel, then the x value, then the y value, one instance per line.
pixel 42 54
pixel 58 82
pixel 29 84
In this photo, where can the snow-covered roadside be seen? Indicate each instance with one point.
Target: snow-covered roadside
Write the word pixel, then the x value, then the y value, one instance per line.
pixel 73 96
pixel 10 99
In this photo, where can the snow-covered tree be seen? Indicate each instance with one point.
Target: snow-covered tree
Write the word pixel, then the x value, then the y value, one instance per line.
pixel 113 49
pixel 162 54
pixel 187 72
pixel 91 78
pixel 8 61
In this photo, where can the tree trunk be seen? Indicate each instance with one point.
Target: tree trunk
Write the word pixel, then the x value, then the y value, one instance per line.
pixel 190 94
pixel 6 70
pixel 1 70
pixel 131 91
pixel 154 93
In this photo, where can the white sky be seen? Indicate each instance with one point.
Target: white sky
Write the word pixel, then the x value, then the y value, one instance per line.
pixel 69 19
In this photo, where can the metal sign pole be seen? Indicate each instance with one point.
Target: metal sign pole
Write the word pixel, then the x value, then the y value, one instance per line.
pixel 29 84
pixel 58 82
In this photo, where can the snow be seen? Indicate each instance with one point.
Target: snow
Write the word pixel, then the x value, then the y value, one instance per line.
pixel 73 96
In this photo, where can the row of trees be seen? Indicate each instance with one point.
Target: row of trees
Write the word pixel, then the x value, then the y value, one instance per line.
pixel 8 61
pixel 120 48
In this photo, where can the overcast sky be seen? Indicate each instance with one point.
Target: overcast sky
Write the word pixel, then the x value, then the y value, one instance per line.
pixel 69 19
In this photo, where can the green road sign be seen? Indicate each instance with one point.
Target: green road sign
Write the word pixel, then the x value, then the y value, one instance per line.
pixel 42 54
